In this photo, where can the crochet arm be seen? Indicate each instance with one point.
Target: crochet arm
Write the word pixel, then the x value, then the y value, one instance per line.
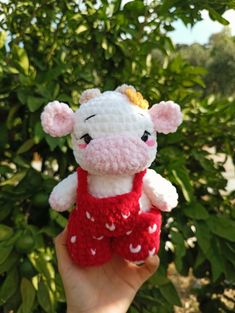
pixel 160 191
pixel 63 195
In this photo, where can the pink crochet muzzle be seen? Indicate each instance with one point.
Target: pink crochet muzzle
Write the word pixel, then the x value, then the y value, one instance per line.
pixel 116 155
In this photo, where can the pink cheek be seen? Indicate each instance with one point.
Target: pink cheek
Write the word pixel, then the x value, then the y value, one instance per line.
pixel 82 145
pixel 150 142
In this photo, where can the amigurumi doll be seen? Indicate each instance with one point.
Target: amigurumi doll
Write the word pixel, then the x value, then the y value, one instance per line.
pixel 118 199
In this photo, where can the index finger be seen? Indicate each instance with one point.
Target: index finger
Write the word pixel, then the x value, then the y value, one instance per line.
pixel 63 257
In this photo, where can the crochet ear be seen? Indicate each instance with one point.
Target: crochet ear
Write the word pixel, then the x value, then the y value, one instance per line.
pixel 57 119
pixel 166 116
pixel 89 94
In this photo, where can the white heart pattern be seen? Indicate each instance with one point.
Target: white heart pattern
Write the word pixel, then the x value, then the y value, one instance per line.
pixel 136 249
pixel 152 229
pixel 73 239
pixel 98 238
pixel 152 252
pixel 93 251
pixel 89 217
pixel 125 216
pixel 111 227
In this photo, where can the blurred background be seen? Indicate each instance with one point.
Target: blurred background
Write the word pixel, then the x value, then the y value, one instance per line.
pixel 167 49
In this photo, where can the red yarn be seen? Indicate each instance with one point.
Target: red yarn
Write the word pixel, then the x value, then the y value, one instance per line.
pixel 97 228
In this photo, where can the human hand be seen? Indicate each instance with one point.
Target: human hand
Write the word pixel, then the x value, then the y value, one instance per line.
pixel 109 288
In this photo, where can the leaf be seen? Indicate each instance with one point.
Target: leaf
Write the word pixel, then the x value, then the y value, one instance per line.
pixel 50 231
pixel 4 252
pixel 199 81
pixel 180 250
pixel 3 36
pixel 5 211
pixel 34 103
pixel 104 44
pixel 20 309
pixel 21 58
pixel 60 288
pixel 217 17
pixel 4 136
pixel 215 257
pixel 26 146
pixel 43 296
pixel 204 162
pixel 9 286
pixel 28 295
pixel 21 161
pixel 58 218
pixel 22 95
pixel 149 300
pixel 174 138
pixel 9 262
pixel 182 177
pixel 81 29
pixel 211 249
pixel 230 272
pixel 14 180
pixel 223 227
pixel 38 132
pixel 13 70
pixel 199 259
pixel 11 116
pixel 77 17
pixel 160 278
pixel 229 252
pixel 44 267
pixel 5 232
pixel 196 211
pixel 204 236
pixel 11 240
pixel 136 7
pixel 54 142
pixel 169 292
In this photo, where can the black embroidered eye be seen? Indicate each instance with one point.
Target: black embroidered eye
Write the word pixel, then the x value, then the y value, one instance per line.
pixel 87 138
pixel 145 136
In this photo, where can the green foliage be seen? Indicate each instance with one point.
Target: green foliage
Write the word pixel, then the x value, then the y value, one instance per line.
pixel 56 49
pixel 218 57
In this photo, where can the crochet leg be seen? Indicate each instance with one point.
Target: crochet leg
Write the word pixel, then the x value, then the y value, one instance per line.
pixel 84 249
pixel 144 239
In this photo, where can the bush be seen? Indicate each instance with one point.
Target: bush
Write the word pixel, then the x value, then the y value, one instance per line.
pixel 56 49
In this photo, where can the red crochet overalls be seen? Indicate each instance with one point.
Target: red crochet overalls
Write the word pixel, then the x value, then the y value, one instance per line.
pixel 97 228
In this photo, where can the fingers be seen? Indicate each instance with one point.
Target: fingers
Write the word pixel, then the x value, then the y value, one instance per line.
pixel 149 268
pixel 61 250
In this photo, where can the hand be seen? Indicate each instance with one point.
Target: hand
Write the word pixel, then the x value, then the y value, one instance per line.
pixel 109 288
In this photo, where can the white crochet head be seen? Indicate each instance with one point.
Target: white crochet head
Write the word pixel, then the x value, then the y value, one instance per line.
pixel 110 133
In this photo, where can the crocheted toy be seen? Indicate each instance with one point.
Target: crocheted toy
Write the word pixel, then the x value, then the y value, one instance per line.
pixel 118 200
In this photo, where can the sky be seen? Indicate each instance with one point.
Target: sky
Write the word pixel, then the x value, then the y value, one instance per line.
pixel 201 32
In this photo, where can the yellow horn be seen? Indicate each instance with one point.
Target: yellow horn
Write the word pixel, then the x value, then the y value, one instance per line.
pixel 137 98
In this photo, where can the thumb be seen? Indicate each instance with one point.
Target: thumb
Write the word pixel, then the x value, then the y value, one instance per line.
pixel 149 268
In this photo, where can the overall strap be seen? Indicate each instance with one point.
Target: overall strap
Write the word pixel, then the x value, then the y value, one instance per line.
pixel 82 181
pixel 138 182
